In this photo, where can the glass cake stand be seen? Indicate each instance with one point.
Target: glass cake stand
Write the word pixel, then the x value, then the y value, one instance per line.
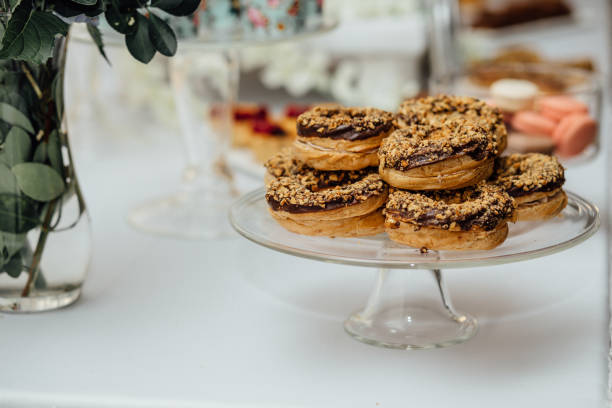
pixel 391 318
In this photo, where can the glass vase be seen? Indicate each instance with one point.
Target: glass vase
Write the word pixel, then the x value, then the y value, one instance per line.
pixel 45 240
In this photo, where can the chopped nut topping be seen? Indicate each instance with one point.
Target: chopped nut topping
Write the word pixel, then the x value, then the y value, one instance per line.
pixel 298 188
pixel 419 144
pixel 283 164
pixel 481 206
pixel 522 174
pixel 349 123
pixel 443 108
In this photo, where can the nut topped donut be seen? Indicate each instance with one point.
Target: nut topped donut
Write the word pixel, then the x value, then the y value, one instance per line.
pixel 332 137
pixel 283 164
pixel 337 204
pixel 535 181
pixel 436 156
pixel 472 218
pixel 442 108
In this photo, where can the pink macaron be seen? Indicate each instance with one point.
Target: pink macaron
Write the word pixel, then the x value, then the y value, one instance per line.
pixel 533 123
pixel 574 133
pixel 559 106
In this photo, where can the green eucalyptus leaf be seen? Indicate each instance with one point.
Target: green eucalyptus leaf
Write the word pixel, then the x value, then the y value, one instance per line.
pixel 161 35
pixel 84 2
pixel 14 266
pixel 19 97
pixel 11 95
pixel 72 9
pixel 8 181
pixel 41 153
pixel 186 8
pixel 121 20
pixel 15 117
pixel 131 4
pixel 38 181
pixel 57 87
pixel 32 43
pixel 166 4
pixel 12 41
pixel 96 36
pixel 49 26
pixel 30 35
pixel 13 4
pixel 54 152
pixel 10 244
pixel 138 43
pixel 17 147
pixel 18 214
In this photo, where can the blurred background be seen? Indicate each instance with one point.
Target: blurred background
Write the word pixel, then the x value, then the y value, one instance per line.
pixel 205 122
pixel 369 53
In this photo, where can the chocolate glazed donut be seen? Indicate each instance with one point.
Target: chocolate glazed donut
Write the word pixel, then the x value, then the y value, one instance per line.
pixel 337 204
pixel 472 218
pixel 442 108
pixel 535 182
pixel 430 156
pixel 331 137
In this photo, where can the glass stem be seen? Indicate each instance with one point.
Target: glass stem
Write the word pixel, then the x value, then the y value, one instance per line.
pixel 220 165
pixel 374 300
pixel 204 152
pixel 446 301
pixel 187 122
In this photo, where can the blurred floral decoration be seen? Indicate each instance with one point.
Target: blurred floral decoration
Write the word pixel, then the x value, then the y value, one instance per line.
pixel 303 67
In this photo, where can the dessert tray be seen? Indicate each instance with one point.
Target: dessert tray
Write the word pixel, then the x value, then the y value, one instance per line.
pixel 390 317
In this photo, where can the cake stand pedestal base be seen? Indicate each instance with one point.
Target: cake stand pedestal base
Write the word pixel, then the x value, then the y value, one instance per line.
pixel 424 317
pixel 393 319
pixel 186 215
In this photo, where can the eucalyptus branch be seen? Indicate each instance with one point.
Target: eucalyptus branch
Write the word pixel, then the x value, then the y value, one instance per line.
pixel 40 246
pixel 31 80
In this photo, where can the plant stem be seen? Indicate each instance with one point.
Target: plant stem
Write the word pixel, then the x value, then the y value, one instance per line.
pixel 40 246
pixel 32 81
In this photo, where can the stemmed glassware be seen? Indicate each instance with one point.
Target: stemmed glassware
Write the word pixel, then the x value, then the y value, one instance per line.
pixel 204 83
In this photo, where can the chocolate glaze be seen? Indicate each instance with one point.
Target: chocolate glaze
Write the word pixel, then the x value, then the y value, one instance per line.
pixel 548 187
pixel 429 155
pixel 466 223
pixel 483 206
pixel 300 209
pixel 342 132
pixel 524 174
pixel 299 189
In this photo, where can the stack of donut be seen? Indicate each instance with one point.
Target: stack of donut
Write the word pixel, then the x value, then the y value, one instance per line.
pixel 329 184
pixel 431 176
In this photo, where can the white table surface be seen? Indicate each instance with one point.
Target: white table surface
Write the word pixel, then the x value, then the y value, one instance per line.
pixel 172 323
pixel 165 322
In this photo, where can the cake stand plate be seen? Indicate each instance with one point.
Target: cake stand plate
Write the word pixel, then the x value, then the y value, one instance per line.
pixel 391 317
